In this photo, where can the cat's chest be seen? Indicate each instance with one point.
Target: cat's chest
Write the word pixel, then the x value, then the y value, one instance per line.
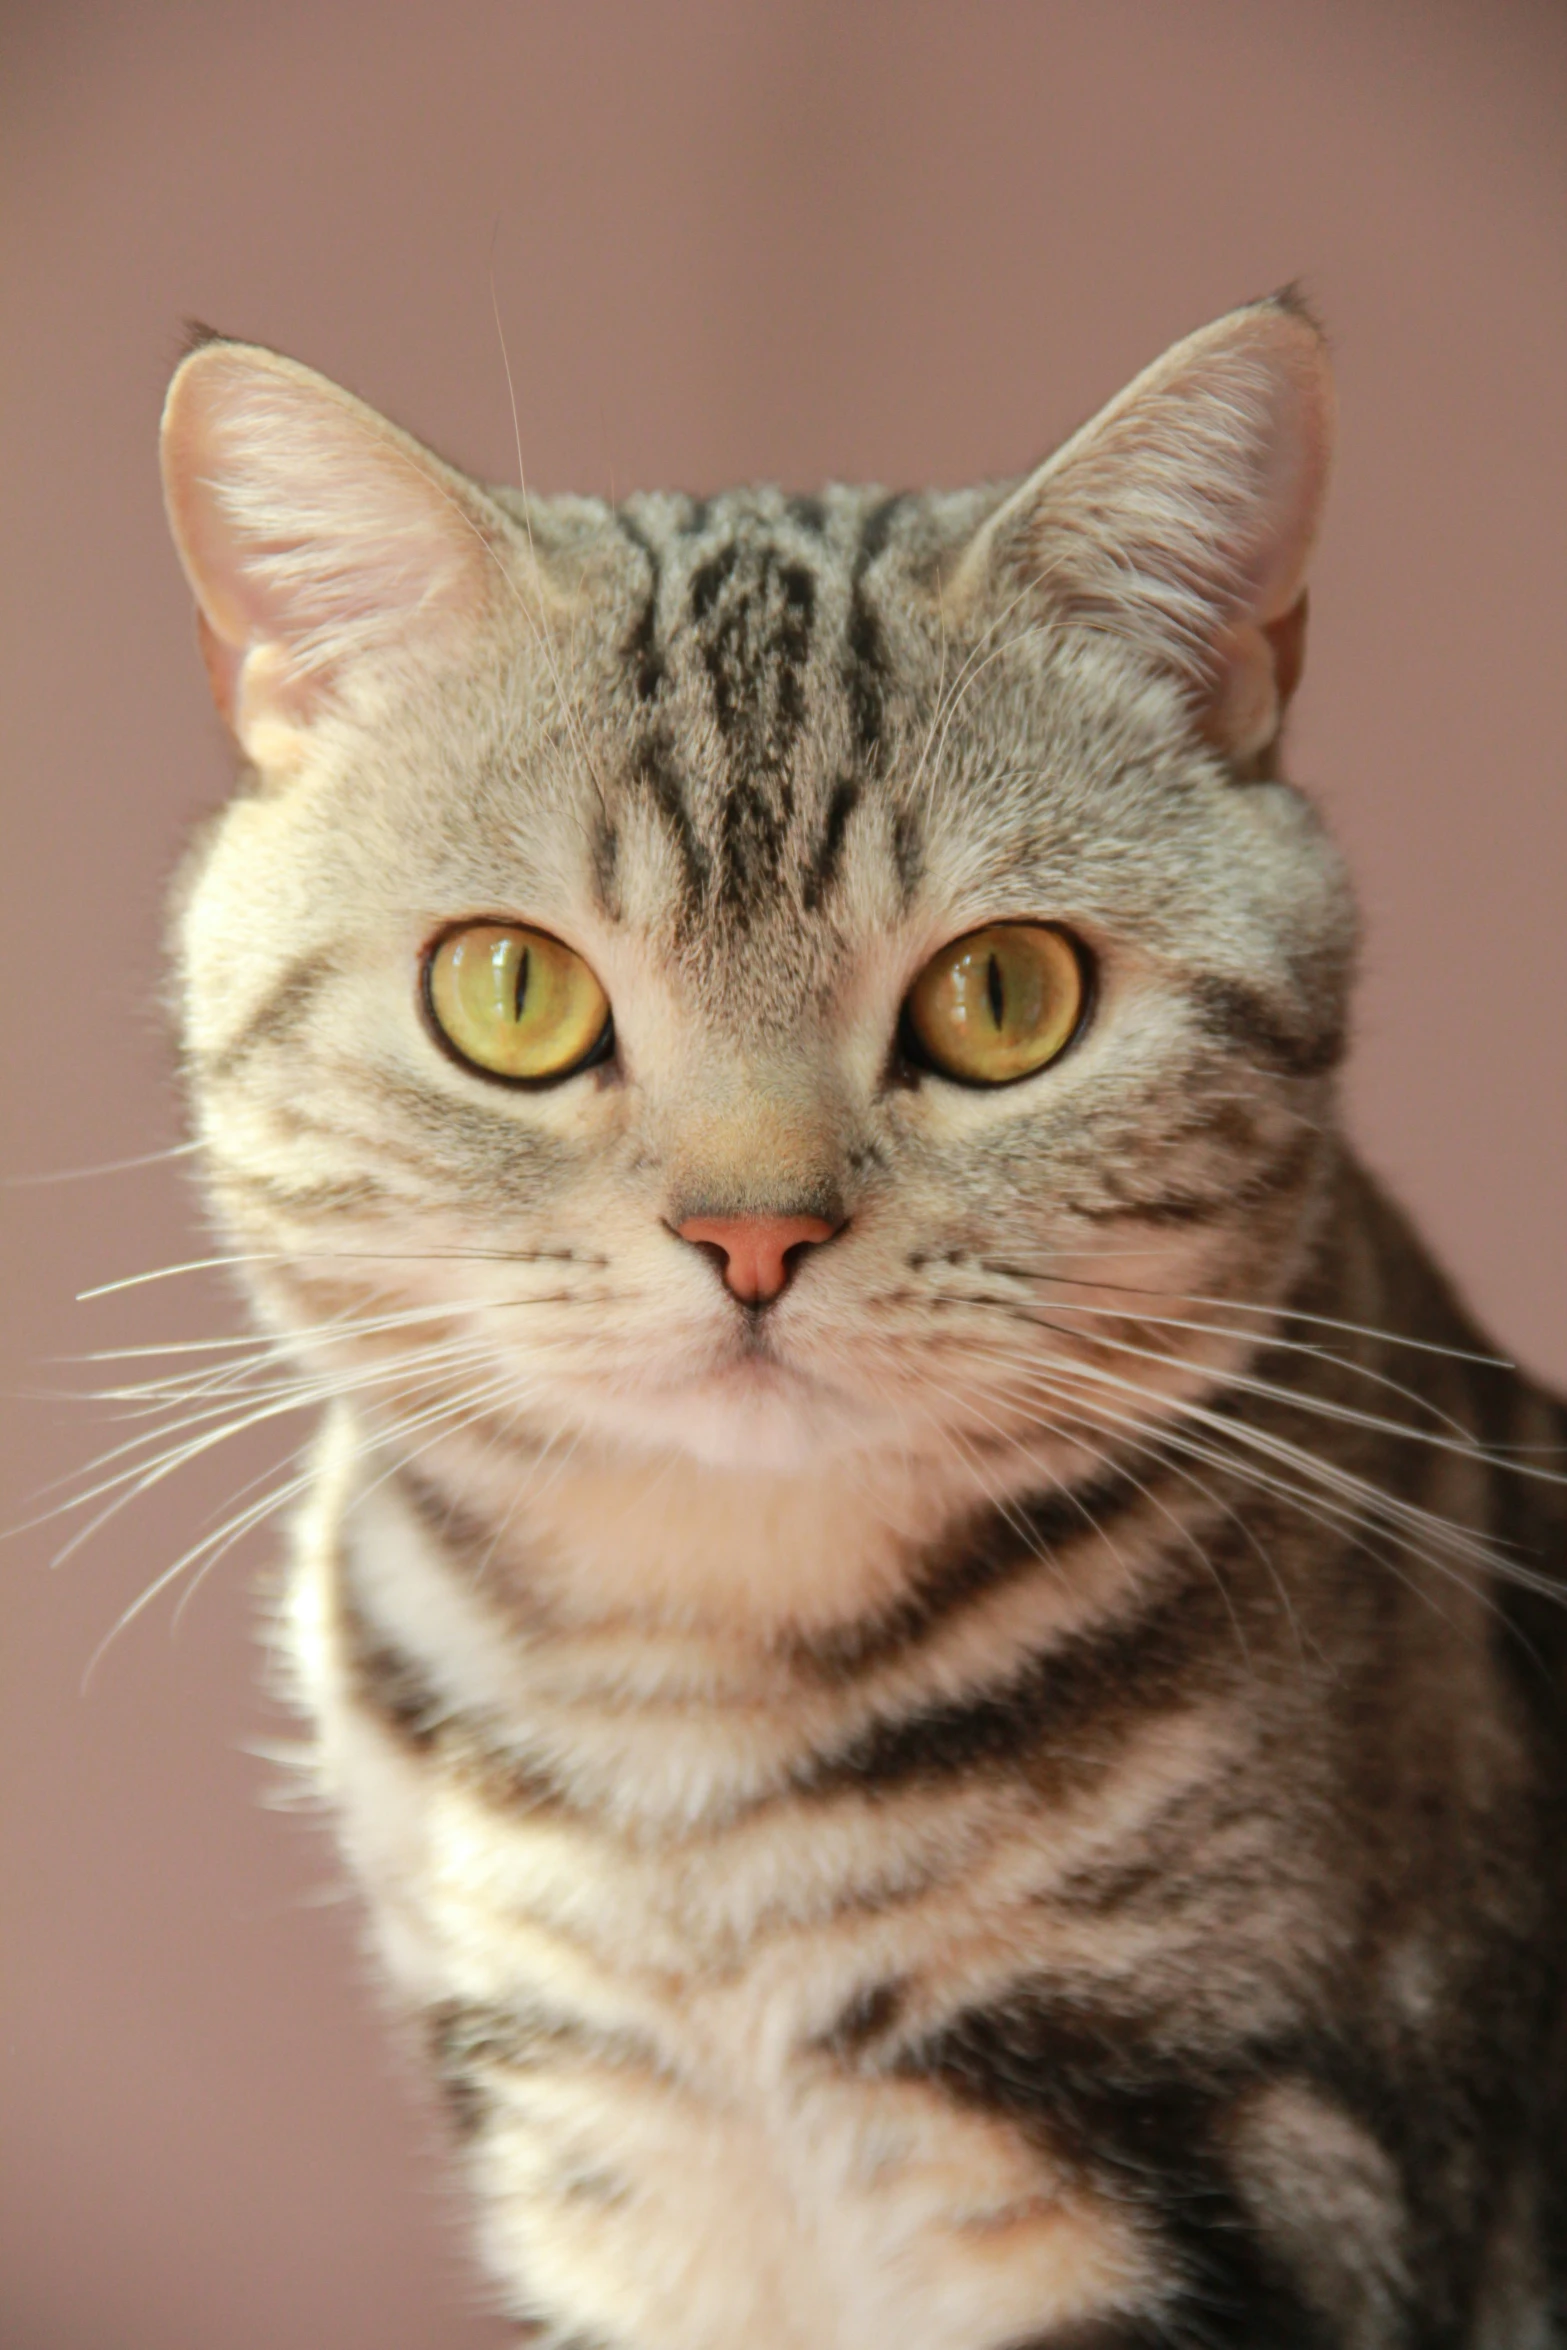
pixel 679 2122
pixel 673 2052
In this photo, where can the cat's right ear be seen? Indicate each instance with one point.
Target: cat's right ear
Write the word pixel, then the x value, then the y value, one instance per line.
pixel 1182 518
pixel 326 550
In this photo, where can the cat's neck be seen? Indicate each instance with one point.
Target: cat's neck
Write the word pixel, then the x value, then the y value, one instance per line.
pixel 665 1640
pixel 608 1534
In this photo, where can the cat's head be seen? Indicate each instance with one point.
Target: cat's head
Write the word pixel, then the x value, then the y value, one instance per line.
pixel 753 977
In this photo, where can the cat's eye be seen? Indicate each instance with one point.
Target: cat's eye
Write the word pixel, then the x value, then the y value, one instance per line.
pixel 997 1004
pixel 516 1003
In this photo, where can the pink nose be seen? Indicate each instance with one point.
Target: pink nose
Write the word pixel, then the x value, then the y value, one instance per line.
pixel 756 1248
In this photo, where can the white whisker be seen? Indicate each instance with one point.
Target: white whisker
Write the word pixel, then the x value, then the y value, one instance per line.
pixel 215 1545
pixel 1117 1466
pixel 1265 1341
pixel 1465 1446
pixel 178 1150
pixel 1280 1311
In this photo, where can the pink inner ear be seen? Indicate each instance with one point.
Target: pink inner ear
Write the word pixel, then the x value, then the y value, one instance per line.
pixel 313 534
pixel 1287 643
pixel 1296 429
pixel 222 664
pixel 1255 671
pixel 1209 475
pixel 1183 517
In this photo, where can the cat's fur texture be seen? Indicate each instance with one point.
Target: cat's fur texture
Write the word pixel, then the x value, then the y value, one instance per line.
pixel 1015 1797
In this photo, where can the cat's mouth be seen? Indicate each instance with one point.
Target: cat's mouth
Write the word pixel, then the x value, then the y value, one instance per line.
pixel 753 1342
pixel 753 1371
pixel 746 1407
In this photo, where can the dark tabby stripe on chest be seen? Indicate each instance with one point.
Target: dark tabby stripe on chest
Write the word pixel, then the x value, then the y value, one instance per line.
pixel 1070 1705
pixel 1152 2128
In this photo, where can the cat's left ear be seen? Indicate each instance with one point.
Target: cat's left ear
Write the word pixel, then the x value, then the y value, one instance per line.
pixel 1183 517
pixel 325 547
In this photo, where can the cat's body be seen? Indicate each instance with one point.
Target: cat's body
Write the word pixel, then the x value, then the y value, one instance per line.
pixel 1003 1784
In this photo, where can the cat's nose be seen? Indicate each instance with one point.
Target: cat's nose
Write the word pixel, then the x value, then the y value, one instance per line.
pixel 758 1252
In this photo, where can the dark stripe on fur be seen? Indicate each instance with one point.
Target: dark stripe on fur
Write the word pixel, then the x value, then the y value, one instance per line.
pixel 908 853
pixel 993 1549
pixel 1104 2333
pixel 752 615
pixel 293 1124
pixel 1071 1707
pixel 1244 1021
pixel 1151 2125
pixel 604 858
pixel 384 1679
pixel 644 654
pixel 754 828
pixel 482 1126
pixel 468 2043
pixel 464 2033
pixel 657 773
pixel 390 1685
pixel 822 871
pixel 1262 1187
pixel 468 1540
pixel 351 1196
pixel 869 2016
pixel 1527 1518
pixel 866 668
pixel 709 580
pixel 455 2037
pixel 276 1020
pixel 541 2334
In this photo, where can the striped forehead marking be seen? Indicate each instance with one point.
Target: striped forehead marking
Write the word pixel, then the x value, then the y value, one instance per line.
pixel 746 626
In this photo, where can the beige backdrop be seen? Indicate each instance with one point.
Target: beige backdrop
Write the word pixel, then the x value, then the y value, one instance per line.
pixel 916 241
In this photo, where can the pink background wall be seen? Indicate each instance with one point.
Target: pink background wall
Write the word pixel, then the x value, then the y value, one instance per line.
pixel 913 241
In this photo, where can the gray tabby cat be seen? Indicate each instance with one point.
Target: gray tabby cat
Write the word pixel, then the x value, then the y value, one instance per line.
pixel 934 1640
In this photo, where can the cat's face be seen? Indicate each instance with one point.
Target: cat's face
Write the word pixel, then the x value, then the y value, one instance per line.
pixel 756 763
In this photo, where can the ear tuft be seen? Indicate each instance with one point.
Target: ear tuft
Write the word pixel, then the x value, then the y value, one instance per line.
pixel 1183 517
pixel 320 542
pixel 1294 298
pixel 194 336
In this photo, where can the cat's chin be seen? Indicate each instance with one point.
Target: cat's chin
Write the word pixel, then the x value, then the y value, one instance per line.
pixel 750 1415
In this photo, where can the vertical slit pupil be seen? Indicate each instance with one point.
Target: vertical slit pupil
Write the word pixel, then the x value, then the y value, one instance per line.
pixel 522 985
pixel 995 990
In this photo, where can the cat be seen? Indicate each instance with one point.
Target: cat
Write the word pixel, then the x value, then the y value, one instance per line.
pixel 936 1644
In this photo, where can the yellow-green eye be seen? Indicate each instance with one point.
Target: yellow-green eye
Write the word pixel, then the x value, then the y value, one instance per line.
pixel 516 1002
pixel 999 1003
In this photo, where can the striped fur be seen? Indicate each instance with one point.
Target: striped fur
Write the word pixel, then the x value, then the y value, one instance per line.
pixel 1013 1800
